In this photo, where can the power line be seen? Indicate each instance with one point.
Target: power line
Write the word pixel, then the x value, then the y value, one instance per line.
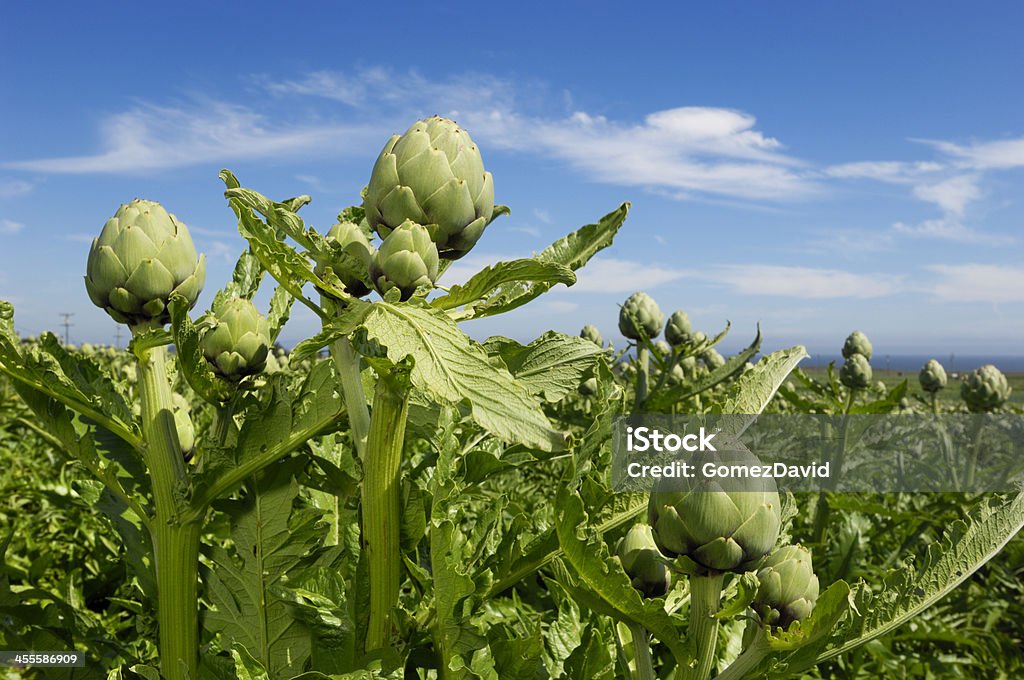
pixel 67 326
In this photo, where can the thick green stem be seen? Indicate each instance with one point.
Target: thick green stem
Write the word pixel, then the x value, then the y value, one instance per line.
pixel 643 375
pixel 747 662
pixel 821 515
pixel 642 653
pixel 346 363
pixel 705 600
pixel 176 543
pixel 381 504
pixel 971 470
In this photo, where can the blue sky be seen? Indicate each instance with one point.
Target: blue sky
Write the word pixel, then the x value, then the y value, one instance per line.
pixel 817 167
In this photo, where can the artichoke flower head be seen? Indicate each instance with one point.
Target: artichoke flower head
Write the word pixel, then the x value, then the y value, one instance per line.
pixel 406 260
pixel 433 175
pixel 143 256
pixel 788 587
pixel 236 342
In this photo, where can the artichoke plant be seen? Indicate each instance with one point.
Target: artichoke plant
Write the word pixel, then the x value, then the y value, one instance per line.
pixel 932 376
pixel 985 389
pixel 591 333
pixel 787 587
pixel 433 175
pixel 642 561
pixel 143 256
pixel 678 329
pixel 720 530
pixel 407 259
pixel 663 348
pixel 350 257
pixel 712 358
pixel 857 343
pixel 856 372
pixel 640 317
pixel 236 341
pixel 183 424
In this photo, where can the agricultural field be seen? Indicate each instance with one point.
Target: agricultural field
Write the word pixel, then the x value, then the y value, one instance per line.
pixel 391 498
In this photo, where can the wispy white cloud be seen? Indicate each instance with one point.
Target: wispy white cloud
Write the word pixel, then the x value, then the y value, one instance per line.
pixel 151 137
pixel 1001 154
pixel 526 229
pixel 973 282
pixel 542 215
pixel 611 275
pixel 952 195
pixel 9 188
pixel 951 229
pixel 10 227
pixel 895 172
pixel 802 282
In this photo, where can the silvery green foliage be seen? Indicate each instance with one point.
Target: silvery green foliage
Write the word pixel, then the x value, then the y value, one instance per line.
pixel 406 260
pixel 351 255
pixel 856 372
pixel 985 389
pixel 591 333
pixel 678 329
pixel 642 561
pixel 640 316
pixel 719 530
pixel 433 175
pixel 787 587
pixel 932 376
pixel 857 343
pixel 237 341
pixel 142 257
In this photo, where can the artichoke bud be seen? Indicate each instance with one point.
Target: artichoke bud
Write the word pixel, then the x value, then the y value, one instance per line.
pixel 712 359
pixel 857 343
pixel 236 341
pixel 677 376
pixel 663 348
pixel 787 587
pixel 856 372
pixel 183 423
pixel 640 317
pixel 588 387
pixel 406 260
pixel 143 256
pixel 591 333
pixel 350 257
pixel 678 329
pixel 688 364
pixel 432 175
pixel 932 376
pixel 642 561
pixel 719 529
pixel 985 389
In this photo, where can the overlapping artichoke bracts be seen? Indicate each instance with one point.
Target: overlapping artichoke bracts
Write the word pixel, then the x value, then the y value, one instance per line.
pixel 855 372
pixel 787 587
pixel 640 316
pixel 406 260
pixel 985 389
pixel 350 257
pixel 932 376
pixel 857 343
pixel 642 561
pixel 678 330
pixel 237 342
pixel 143 256
pixel 433 175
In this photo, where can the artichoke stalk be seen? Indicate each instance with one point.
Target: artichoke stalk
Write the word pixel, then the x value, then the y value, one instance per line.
pixel 143 256
pixel 432 174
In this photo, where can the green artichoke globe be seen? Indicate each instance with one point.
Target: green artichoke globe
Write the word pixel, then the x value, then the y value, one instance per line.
pixel 663 348
pixel 719 530
pixel 856 372
pixel 985 389
pixel 642 561
pixel 350 258
pixel 640 316
pixel 143 256
pixel 183 423
pixel 678 329
pixel 591 333
pixel 433 175
pixel 932 376
pixel 787 587
pixel 237 341
pixel 407 259
pixel 712 358
pixel 857 343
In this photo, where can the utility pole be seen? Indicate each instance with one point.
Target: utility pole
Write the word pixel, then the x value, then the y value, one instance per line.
pixel 67 326
pixel 118 337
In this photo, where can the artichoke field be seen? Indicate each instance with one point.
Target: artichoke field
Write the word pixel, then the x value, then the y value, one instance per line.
pixel 391 498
